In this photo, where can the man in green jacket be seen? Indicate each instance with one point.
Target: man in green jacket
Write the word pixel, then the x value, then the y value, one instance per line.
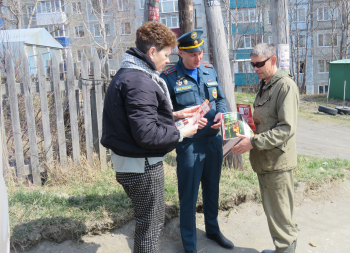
pixel 273 148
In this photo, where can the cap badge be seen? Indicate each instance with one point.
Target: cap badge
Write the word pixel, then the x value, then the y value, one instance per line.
pixel 196 42
pixel 193 35
pixel 185 82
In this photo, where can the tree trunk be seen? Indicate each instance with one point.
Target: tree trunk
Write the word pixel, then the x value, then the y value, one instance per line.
pixel 221 61
pixel 185 16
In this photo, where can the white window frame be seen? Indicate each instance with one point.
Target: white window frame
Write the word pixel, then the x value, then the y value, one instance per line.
pixel 246 64
pixel 123 26
pixel 77 30
pixel 298 10
pixel 299 39
pixel 334 16
pixel 245 13
pixel 175 6
pixel 318 39
pixel 77 7
pixel 244 37
pixel 97 32
pixel 142 4
pixel 171 17
pixel 324 89
pixel 123 5
pixel 325 62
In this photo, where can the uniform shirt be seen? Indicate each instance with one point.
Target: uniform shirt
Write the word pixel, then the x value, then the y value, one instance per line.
pixel 185 92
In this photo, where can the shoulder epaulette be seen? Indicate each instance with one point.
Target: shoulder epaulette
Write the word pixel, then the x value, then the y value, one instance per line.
pixel 208 65
pixel 169 70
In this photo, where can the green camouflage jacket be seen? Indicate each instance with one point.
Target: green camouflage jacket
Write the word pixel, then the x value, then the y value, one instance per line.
pixel 275 118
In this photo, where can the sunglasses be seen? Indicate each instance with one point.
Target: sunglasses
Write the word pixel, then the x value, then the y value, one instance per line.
pixel 260 63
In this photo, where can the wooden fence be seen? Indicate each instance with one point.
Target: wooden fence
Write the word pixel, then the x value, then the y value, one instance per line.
pixel 88 84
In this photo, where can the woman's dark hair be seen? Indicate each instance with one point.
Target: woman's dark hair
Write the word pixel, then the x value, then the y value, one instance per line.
pixel 154 34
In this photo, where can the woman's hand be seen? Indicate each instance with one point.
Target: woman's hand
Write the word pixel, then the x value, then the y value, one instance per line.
pixel 190 130
pixel 187 112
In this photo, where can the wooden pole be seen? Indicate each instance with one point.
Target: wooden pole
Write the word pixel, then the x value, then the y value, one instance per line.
pixel 221 61
pixel 153 4
pixel 279 22
pixel 185 16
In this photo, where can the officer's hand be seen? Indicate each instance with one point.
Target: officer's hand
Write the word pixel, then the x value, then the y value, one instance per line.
pixel 217 121
pixel 243 146
pixel 187 112
pixel 190 130
pixel 202 122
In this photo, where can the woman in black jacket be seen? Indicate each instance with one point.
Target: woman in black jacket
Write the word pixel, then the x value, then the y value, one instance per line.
pixel 138 126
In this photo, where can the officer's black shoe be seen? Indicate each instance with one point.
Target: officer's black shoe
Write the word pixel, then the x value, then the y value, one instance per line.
pixel 191 251
pixel 221 240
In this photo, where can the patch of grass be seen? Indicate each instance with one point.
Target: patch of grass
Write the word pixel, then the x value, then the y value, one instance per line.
pixel 245 98
pixel 70 205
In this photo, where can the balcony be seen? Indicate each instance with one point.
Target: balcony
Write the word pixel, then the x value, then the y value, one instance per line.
pixel 51 18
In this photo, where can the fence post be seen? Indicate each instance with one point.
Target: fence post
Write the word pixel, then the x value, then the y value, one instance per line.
pixel 3 142
pixel 72 108
pixel 33 145
pixel 87 110
pixel 99 108
pixel 59 112
pixel 45 116
pixel 16 126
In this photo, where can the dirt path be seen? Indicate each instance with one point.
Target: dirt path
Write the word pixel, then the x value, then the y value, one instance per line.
pixel 320 140
pixel 322 217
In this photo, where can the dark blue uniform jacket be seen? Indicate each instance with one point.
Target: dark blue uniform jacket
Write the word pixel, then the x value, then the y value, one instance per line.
pixel 192 93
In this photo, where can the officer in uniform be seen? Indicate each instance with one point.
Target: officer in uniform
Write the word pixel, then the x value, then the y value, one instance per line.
pixel 199 158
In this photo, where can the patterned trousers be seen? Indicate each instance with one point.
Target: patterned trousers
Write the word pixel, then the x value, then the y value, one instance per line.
pixel 146 191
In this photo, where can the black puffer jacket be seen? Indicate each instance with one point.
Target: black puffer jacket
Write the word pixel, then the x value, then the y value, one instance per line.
pixel 137 118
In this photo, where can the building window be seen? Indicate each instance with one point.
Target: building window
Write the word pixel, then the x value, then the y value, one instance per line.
pixel 56 30
pixel 243 66
pixel 301 67
pixel 76 7
pixel 170 21
pixel 126 28
pixel 79 55
pixel 107 30
pixel 246 15
pixel 301 14
pixel 302 40
pixel 123 5
pixel 327 40
pixel 142 4
pixel 270 39
pixel 100 53
pixel 96 6
pixel 168 6
pixel 323 66
pixel 79 31
pixel 50 6
pixel 110 53
pixel 199 22
pixel 322 89
pixel 249 41
pixel 327 13
pixel 30 10
pixel 269 17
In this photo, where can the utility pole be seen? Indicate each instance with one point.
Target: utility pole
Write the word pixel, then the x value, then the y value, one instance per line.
pixel 221 61
pixel 280 31
pixel 151 10
pixel 185 16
